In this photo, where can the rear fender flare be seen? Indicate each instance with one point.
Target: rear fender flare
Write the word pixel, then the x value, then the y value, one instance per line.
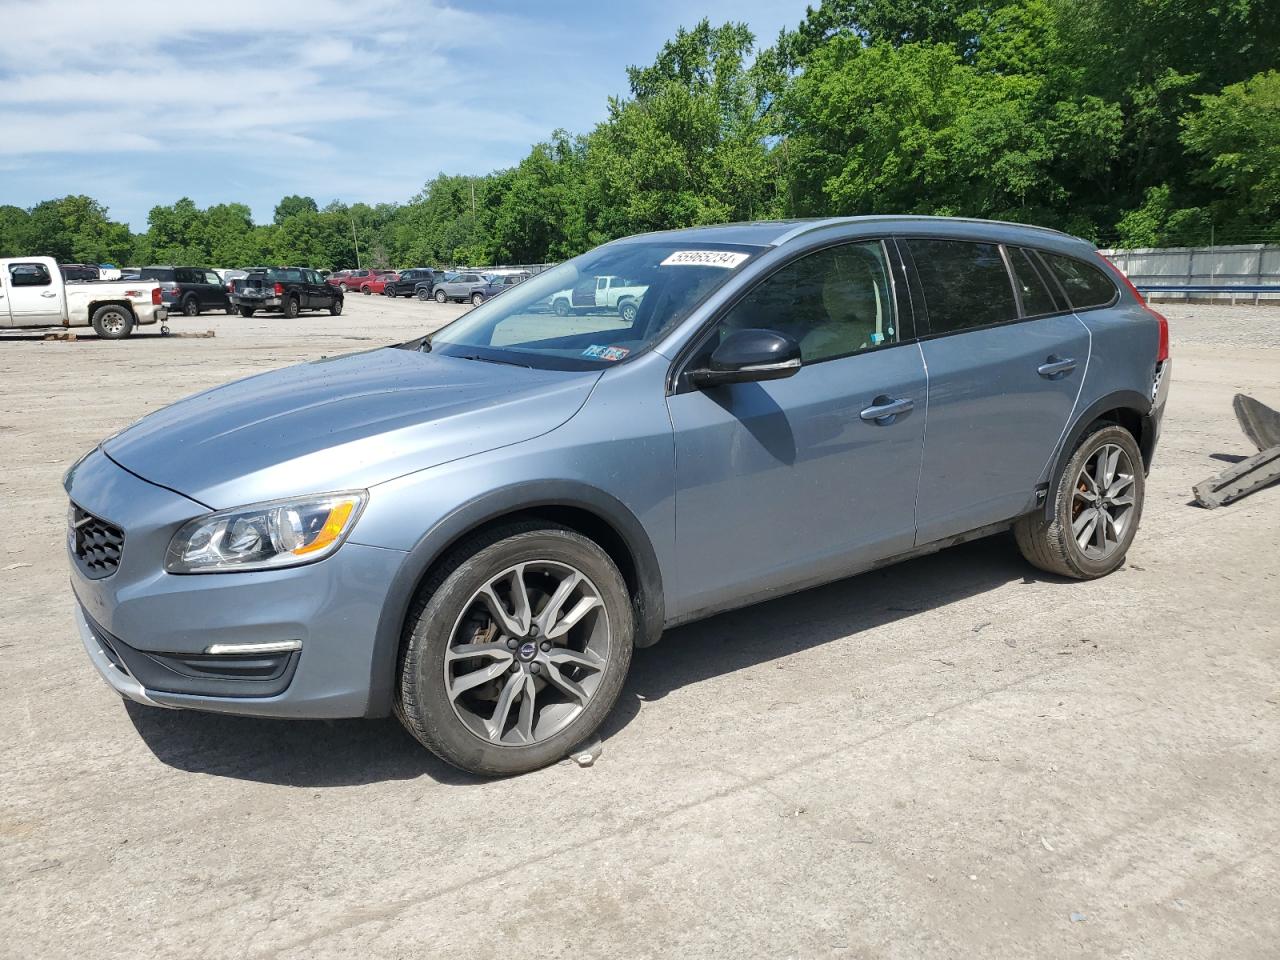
pixel 1139 403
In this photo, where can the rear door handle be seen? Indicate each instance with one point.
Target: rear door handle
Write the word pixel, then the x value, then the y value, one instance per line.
pixel 883 410
pixel 1055 368
pixel 48 294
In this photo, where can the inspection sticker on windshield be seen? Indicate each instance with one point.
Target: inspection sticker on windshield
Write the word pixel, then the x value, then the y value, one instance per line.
pixel 599 352
pixel 704 258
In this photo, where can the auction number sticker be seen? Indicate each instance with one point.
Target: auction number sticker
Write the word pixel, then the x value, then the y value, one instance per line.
pixel 727 259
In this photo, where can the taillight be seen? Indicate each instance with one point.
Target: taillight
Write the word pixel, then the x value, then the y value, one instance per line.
pixel 155 296
pixel 1162 344
pixel 279 290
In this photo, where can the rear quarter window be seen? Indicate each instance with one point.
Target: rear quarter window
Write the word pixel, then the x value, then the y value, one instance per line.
pixel 1086 286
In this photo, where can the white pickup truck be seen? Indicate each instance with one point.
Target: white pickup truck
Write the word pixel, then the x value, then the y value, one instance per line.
pixel 33 294
pixel 600 293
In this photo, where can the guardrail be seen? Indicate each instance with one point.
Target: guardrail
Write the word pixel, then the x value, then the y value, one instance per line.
pixel 1217 289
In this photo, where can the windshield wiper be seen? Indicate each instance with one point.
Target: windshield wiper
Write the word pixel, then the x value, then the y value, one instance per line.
pixel 507 363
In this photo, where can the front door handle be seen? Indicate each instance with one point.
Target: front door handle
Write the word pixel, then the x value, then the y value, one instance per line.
pixel 48 294
pixel 1055 368
pixel 884 410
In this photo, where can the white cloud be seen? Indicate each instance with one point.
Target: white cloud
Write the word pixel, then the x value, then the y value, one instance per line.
pixel 95 77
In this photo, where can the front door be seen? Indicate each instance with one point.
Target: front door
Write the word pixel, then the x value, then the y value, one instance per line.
pixel 34 295
pixel 1005 370
pixel 789 482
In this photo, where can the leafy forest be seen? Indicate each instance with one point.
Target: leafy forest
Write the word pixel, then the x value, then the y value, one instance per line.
pixel 1129 122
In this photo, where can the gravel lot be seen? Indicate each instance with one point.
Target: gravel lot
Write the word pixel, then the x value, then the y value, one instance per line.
pixel 953 757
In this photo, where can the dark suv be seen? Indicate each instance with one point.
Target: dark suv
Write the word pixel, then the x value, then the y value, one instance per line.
pixel 289 290
pixel 189 290
pixel 411 282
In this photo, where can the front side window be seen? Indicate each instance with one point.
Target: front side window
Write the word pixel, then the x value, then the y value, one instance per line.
pixel 965 284
pixel 1086 286
pixel 834 302
pixel 29 275
pixel 541 323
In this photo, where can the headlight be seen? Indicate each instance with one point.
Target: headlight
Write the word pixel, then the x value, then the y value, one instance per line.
pixel 264 536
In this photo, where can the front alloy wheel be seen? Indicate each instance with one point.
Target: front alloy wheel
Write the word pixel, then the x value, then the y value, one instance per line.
pixel 516 650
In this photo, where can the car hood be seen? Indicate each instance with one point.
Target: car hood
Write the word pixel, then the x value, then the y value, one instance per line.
pixel 342 423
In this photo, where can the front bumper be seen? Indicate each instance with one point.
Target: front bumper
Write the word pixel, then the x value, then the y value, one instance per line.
pixel 149 632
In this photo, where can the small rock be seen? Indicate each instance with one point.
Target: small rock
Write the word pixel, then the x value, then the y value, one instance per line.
pixel 1010 643
pixel 973 876
pixel 1046 844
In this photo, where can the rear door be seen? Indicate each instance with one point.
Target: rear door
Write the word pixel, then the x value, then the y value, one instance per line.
pixel 212 294
pixel 35 295
pixel 1006 358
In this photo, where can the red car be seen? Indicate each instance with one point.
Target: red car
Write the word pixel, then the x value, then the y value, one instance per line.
pixel 365 281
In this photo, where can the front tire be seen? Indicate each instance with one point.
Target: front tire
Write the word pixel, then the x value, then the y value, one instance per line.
pixel 112 322
pixel 1096 508
pixel 561 308
pixel 440 296
pixel 477 299
pixel 515 650
pixel 335 308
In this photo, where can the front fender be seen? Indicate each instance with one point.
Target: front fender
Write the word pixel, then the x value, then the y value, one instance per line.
pixel 650 608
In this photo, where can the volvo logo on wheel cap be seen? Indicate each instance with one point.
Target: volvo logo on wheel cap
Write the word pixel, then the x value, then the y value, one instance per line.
pixel 528 651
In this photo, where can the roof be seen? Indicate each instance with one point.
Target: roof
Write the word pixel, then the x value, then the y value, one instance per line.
pixel 775 233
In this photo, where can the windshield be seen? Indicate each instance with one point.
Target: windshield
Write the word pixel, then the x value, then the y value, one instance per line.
pixel 597 309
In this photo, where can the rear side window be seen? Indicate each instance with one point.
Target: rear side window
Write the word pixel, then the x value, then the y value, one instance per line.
pixel 29 275
pixel 965 284
pixel 157 273
pixel 1086 285
pixel 1037 299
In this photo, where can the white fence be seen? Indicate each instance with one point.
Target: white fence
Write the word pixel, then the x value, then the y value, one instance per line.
pixel 1252 263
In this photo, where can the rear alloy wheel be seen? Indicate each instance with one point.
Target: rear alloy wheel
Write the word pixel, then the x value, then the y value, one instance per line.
pixel 191 307
pixel 343 288
pixel 561 307
pixel 112 322
pixel 1096 508
pixel 292 308
pixel 477 299
pixel 440 296
pixel 423 294
pixel 517 651
pixel 627 310
pixel 366 290
pixel 389 290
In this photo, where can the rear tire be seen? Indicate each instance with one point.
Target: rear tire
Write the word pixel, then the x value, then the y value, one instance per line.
pixel 292 308
pixel 561 307
pixel 366 290
pixel 246 312
pixel 343 288
pixel 569 680
pixel 112 322
pixel 1095 511
pixel 423 294
pixel 440 296
pixel 191 307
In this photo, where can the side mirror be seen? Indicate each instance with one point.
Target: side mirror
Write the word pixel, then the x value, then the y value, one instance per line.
pixel 748 356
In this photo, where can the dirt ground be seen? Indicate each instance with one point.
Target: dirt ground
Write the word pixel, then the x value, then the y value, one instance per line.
pixel 954 757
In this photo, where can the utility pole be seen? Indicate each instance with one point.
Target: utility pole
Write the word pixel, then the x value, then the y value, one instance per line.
pixel 352 217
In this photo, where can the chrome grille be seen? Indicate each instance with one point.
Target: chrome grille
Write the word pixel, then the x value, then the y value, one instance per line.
pixel 97 544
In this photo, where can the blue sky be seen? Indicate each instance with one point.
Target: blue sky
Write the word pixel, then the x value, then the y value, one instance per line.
pixel 137 104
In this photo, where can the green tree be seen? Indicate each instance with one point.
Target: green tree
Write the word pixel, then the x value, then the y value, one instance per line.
pixel 292 206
